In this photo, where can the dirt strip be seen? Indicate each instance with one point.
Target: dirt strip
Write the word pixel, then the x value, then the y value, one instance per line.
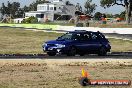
pixel 61 73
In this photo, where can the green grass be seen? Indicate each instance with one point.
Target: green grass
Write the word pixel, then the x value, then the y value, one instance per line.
pixel 119 45
pixel 19 41
pixel 49 25
pixel 23 41
pixel 62 24
pixel 38 26
pixel 53 25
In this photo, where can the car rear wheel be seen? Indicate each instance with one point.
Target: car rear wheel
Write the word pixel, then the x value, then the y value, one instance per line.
pixel 102 51
pixel 72 51
pixel 51 53
pixel 81 53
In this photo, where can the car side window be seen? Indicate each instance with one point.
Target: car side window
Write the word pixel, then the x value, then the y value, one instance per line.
pixel 76 36
pixel 101 36
pixel 94 36
pixel 84 37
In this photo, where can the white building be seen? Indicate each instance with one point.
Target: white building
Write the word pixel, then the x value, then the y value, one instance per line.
pixel 55 10
pixel 18 20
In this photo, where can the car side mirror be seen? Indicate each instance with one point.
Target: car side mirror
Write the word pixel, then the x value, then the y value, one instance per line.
pixel 59 37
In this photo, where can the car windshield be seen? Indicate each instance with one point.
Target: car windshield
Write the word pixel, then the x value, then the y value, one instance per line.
pixel 68 36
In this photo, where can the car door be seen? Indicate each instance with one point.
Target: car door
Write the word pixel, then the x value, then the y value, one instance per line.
pixel 95 42
pixel 84 43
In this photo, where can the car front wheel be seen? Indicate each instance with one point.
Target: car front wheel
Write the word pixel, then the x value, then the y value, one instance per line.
pixel 72 51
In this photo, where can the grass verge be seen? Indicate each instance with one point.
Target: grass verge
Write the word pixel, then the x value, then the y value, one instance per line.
pixel 23 41
pixel 20 41
pixel 111 25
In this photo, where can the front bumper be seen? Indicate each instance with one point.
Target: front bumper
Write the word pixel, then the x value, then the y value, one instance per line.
pixel 55 49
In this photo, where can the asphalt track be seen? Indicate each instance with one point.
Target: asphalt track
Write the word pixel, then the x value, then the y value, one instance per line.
pixel 113 55
pixel 120 36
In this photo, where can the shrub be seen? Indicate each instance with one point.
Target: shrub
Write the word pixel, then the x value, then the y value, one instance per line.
pixel 79 25
pixel 30 20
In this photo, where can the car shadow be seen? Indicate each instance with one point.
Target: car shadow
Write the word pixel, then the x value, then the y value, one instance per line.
pixel 113 55
pixel 117 56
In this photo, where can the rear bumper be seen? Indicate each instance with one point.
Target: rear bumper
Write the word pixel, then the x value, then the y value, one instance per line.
pixel 108 48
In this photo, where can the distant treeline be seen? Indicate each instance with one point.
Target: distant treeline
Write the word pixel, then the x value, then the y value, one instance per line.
pixel 15 11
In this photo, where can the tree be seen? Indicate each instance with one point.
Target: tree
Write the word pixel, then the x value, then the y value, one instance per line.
pixel 122 15
pixel 15 8
pixel 25 8
pixel 127 4
pixel 97 15
pixel 3 9
pixel 68 3
pixel 11 9
pixel 20 13
pixel 109 15
pixel 90 8
pixel 79 7
pixel 117 15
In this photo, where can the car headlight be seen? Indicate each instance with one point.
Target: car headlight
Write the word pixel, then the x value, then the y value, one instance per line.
pixel 60 45
pixel 44 44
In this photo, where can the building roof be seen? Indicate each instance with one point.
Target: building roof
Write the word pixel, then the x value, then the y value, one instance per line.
pixel 69 10
pixel 82 14
pixel 39 12
pixel 47 3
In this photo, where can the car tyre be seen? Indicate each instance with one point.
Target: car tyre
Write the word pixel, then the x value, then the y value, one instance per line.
pixel 102 52
pixel 72 51
pixel 51 53
pixel 82 54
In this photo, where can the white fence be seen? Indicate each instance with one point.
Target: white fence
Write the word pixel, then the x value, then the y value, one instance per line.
pixel 103 30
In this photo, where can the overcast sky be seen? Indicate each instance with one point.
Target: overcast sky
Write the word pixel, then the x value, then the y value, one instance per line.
pixel 111 10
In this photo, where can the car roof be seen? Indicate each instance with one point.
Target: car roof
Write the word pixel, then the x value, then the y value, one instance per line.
pixel 82 31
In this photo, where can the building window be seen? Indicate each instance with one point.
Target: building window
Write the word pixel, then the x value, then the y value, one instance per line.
pixel 51 8
pixel 47 7
pixel 38 7
pixel 43 8
pixel 55 8
pixel 40 15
